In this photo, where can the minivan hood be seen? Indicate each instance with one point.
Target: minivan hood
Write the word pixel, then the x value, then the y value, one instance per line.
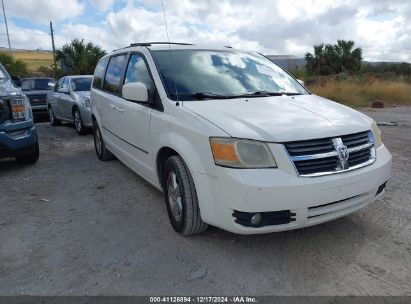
pixel 281 118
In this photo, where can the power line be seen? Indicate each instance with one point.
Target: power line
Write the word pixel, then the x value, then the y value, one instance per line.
pixel 7 28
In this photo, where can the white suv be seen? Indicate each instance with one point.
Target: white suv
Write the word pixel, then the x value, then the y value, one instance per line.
pixel 233 140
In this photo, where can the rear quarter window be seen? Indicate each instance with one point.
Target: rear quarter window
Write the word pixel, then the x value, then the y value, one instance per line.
pixel 115 71
pixel 99 73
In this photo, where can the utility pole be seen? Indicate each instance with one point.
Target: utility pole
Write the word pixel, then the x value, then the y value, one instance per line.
pixel 54 49
pixel 7 28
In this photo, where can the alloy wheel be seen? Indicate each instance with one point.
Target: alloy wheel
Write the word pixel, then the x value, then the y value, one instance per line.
pixel 174 196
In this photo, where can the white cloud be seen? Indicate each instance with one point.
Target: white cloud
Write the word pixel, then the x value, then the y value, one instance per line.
pixel 102 5
pixel 382 28
pixel 22 38
pixel 44 11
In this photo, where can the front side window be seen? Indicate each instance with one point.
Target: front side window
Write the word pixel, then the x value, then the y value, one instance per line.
pixel 59 84
pixel 222 73
pixel 137 71
pixel 99 72
pixel 81 84
pixel 113 75
pixel 65 84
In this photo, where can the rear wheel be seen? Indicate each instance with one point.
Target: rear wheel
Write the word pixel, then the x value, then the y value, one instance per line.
pixel 102 152
pixel 30 158
pixel 181 198
pixel 53 120
pixel 78 122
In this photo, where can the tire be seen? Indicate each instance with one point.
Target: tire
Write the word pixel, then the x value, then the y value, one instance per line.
pixel 53 120
pixel 31 158
pixel 181 198
pixel 78 122
pixel 101 150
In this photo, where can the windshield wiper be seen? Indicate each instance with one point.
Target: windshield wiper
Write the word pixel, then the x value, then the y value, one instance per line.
pixel 209 95
pixel 291 93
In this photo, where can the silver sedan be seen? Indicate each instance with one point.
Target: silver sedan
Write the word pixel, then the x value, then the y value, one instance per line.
pixel 70 101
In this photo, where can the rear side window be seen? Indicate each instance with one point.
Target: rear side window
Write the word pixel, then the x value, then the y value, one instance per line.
pixel 137 71
pixel 113 75
pixel 99 73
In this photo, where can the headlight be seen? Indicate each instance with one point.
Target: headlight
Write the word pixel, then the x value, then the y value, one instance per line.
pixel 86 102
pixel 18 108
pixel 241 153
pixel 377 135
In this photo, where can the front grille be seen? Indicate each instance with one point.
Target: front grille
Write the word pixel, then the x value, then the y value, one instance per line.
pixel 37 99
pixel 5 111
pixel 323 156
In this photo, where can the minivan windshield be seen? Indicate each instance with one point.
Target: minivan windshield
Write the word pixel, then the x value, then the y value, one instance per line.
pixel 81 84
pixel 220 74
pixel 36 84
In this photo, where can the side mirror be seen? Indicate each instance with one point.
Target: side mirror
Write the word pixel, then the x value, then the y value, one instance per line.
pixel 16 80
pixel 300 82
pixel 51 84
pixel 63 90
pixel 136 91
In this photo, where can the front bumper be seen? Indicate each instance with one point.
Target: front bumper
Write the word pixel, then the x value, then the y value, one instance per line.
pixel 17 139
pixel 312 200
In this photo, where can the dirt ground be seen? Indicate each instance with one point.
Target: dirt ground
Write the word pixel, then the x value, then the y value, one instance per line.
pixel 72 225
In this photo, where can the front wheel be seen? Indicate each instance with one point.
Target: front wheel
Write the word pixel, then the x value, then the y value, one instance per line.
pixel 30 158
pixel 78 122
pixel 181 198
pixel 53 120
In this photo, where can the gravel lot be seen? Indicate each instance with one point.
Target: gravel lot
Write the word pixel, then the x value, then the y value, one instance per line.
pixel 72 225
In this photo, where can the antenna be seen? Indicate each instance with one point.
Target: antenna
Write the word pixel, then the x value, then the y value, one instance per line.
pixel 169 48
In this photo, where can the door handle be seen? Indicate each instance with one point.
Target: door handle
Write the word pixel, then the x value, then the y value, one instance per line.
pixel 113 107
pixel 120 110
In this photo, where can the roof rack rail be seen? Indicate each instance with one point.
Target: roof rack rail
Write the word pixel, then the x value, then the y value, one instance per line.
pixel 151 43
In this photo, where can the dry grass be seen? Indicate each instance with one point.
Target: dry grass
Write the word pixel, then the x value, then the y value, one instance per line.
pixel 34 59
pixel 363 93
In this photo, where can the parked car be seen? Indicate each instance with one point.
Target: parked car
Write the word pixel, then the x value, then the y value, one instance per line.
pixel 18 136
pixel 70 102
pixel 233 140
pixel 36 89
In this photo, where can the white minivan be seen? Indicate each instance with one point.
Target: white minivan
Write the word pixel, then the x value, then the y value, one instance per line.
pixel 233 140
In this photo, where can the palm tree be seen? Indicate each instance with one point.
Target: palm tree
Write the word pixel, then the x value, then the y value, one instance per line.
pixel 350 57
pixel 333 59
pixel 79 57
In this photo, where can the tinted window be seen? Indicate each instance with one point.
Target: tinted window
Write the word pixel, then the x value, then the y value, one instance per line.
pixel 99 73
pixel 113 75
pixel 65 84
pixel 35 84
pixel 58 84
pixel 81 84
pixel 228 73
pixel 137 71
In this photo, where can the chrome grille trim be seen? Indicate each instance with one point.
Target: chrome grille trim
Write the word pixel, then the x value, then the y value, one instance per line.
pixel 320 164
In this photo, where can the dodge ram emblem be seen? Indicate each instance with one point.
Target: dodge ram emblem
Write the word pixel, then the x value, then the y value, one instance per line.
pixel 342 152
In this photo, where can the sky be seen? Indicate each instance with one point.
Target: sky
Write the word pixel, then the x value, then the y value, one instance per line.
pixel 382 28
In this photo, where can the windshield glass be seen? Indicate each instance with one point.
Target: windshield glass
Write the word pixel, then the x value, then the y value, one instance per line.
pixel 35 84
pixel 81 84
pixel 222 73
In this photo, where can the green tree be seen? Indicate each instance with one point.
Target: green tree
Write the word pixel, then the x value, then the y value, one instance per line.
pixel 79 57
pixel 333 59
pixel 14 66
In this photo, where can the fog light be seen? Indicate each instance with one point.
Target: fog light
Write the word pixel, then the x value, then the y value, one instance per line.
pixel 256 219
